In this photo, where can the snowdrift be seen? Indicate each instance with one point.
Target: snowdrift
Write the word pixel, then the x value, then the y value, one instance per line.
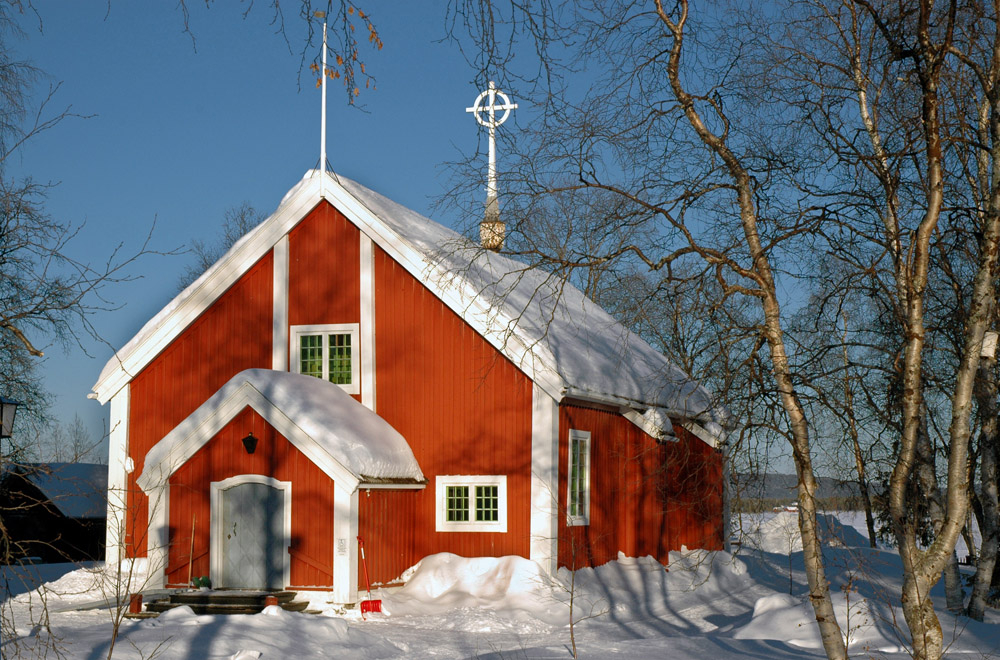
pixel 779 533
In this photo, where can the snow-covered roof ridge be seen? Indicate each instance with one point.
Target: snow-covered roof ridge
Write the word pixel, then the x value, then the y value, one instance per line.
pixel 567 344
pixel 593 354
pixel 341 436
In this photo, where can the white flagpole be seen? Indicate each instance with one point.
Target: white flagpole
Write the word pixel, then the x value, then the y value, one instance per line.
pixel 322 129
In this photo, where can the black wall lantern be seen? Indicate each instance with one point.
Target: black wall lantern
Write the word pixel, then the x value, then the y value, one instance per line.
pixel 7 409
pixel 250 443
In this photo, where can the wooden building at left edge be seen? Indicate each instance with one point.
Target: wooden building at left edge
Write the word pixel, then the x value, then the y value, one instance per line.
pixel 351 368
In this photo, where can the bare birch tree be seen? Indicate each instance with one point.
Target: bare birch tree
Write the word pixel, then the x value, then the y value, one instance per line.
pixel 739 138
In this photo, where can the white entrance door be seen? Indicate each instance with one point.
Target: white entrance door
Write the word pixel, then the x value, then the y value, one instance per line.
pixel 251 533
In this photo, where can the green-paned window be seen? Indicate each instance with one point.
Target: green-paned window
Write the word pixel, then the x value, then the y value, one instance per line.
pixel 487 503
pixel 311 355
pixel 457 504
pixel 578 486
pixel 340 368
pixel 330 352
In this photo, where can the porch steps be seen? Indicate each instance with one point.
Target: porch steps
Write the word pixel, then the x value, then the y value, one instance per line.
pixel 221 601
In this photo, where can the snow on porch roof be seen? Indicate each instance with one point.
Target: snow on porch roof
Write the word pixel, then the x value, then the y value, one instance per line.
pixel 346 440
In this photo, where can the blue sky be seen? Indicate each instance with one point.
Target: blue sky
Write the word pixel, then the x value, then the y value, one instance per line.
pixel 178 135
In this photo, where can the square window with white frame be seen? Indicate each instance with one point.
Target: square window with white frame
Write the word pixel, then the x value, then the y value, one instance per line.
pixel 578 479
pixel 329 352
pixel 471 503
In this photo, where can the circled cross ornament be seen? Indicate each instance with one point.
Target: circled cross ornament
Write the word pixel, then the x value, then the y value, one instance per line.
pixel 486 115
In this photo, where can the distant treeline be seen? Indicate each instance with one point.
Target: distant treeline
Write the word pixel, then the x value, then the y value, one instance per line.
pixel 755 493
pixel 764 504
pixel 784 486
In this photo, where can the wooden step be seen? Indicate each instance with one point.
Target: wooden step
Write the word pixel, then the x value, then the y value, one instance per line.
pixel 229 596
pixel 226 601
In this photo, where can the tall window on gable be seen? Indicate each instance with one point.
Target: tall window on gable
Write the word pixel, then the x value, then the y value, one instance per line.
pixel 329 352
pixel 471 503
pixel 578 479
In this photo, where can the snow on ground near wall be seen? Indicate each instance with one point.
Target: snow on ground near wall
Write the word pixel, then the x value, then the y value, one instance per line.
pixel 704 605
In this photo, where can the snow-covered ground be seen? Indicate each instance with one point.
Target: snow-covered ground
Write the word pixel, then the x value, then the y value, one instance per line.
pixel 705 605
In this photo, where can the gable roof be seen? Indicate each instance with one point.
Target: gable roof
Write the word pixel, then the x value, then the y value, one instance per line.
pixel 565 343
pixel 78 490
pixel 346 440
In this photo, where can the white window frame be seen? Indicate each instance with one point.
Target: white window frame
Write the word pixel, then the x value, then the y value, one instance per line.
pixel 352 329
pixel 442 524
pixel 584 517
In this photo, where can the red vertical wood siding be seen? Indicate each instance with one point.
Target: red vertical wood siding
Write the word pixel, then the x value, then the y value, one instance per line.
pixel 385 522
pixel 232 335
pixel 311 561
pixel 324 270
pixel 646 498
pixel 463 407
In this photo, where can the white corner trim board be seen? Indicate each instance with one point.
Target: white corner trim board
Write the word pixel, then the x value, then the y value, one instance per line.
pixel 345 545
pixel 118 468
pixel 367 298
pixel 544 543
pixel 279 313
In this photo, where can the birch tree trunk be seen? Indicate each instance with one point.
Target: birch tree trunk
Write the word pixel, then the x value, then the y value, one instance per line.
pixel 987 398
pixel 761 273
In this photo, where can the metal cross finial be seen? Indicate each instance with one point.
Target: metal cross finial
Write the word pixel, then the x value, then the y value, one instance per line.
pixel 486 115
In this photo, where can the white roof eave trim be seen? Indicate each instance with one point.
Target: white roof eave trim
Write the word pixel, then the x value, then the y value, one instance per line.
pixel 163 328
pixel 188 305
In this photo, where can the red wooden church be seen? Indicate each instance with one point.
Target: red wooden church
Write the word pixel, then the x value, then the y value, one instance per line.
pixel 352 368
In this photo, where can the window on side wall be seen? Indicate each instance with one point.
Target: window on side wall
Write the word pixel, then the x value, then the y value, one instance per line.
pixel 476 503
pixel 578 479
pixel 329 352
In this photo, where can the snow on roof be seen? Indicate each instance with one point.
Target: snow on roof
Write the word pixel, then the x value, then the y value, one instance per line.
pixel 78 490
pixel 339 427
pixel 591 354
pixel 360 440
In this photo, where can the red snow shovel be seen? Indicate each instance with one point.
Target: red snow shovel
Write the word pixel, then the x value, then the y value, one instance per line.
pixel 367 605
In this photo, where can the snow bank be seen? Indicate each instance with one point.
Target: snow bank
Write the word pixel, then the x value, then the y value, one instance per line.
pixel 779 533
pixel 517 590
pixel 792 620
pixel 445 582
pixel 707 605
pixel 93 583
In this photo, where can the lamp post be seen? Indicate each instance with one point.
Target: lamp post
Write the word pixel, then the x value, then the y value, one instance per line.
pixel 8 407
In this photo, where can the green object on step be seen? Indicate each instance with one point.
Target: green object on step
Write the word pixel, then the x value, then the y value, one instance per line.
pixel 202 582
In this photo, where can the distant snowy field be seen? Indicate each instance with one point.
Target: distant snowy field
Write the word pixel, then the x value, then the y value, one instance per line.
pixel 705 606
